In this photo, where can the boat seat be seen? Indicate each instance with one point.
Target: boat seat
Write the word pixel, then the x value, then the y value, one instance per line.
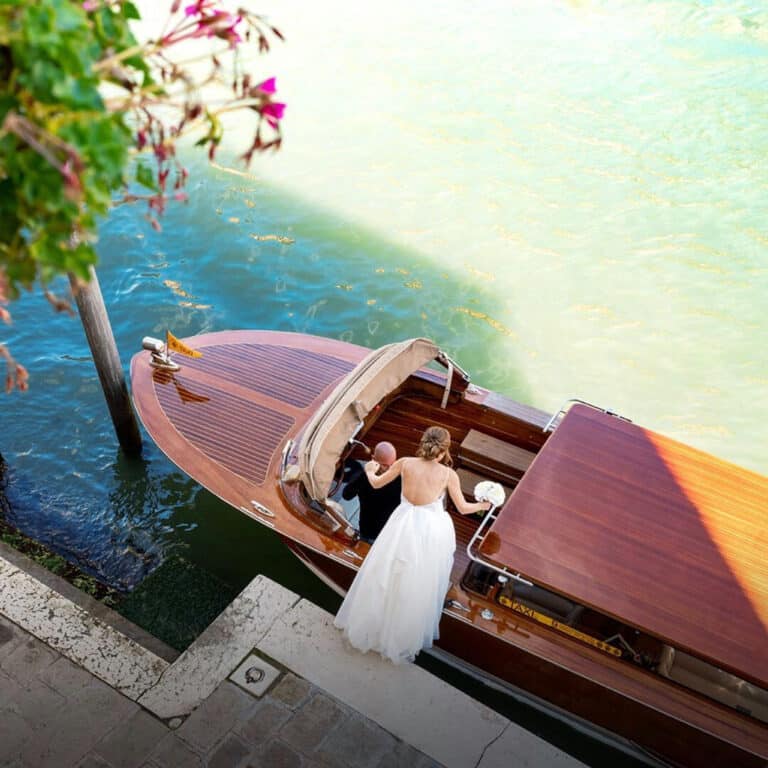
pixel 469 479
pixel 494 459
pixel 722 686
pixel 550 604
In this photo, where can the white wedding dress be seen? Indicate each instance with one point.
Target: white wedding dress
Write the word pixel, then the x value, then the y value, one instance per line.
pixel 395 602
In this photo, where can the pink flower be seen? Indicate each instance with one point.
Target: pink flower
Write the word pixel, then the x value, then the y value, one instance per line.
pixel 274 109
pixel 268 86
pixel 195 8
pixel 90 5
pixel 221 24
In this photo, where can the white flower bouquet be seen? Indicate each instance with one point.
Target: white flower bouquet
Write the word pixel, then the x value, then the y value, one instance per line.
pixel 486 490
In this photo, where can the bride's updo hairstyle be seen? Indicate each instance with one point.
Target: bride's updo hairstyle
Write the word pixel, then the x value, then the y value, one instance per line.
pixel 435 441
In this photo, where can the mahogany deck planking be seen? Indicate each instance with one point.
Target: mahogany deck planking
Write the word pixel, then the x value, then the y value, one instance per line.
pixel 641 527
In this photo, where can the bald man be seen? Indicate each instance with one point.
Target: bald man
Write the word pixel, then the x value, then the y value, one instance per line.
pixel 375 505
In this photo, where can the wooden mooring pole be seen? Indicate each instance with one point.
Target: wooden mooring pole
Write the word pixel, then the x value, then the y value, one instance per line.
pixel 101 340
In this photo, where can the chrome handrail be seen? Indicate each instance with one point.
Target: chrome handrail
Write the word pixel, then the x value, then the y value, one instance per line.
pixel 573 400
pixel 287 448
pixel 490 516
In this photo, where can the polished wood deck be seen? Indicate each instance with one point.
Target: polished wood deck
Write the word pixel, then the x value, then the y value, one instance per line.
pixel 666 538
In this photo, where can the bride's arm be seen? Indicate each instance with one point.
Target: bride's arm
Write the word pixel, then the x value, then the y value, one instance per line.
pixel 377 481
pixel 465 507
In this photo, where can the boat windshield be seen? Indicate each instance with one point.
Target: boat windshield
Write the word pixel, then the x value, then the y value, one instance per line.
pixel 343 413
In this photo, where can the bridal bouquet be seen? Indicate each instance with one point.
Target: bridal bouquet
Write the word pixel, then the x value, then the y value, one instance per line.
pixel 486 490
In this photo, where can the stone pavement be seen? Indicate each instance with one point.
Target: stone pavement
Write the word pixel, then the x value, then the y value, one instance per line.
pixel 269 683
pixel 54 713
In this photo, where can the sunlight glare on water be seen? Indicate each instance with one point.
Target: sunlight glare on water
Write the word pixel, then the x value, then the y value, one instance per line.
pixel 599 165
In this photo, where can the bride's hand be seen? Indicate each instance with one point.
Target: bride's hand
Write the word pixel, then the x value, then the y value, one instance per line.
pixel 372 467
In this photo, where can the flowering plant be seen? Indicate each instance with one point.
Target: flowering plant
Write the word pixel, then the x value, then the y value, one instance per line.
pixel 79 96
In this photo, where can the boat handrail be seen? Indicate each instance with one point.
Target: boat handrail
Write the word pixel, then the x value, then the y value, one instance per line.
pixel 479 536
pixel 287 448
pixel 555 420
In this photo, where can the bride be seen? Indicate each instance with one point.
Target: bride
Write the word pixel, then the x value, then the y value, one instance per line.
pixel 395 601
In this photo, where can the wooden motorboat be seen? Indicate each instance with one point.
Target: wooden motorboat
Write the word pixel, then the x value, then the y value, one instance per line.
pixel 624 581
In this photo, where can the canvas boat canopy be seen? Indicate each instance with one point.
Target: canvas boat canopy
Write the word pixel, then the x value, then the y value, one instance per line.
pixel 340 417
pixel 659 535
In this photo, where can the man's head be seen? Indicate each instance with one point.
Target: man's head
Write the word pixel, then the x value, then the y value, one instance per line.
pixel 385 454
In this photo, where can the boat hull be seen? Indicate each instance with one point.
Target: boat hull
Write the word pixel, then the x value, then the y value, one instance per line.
pixel 638 727
pixel 233 420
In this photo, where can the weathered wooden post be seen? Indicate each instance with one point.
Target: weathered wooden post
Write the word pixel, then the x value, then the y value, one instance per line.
pixel 101 340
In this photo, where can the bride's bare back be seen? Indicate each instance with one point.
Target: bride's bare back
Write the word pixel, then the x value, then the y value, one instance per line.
pixel 424 480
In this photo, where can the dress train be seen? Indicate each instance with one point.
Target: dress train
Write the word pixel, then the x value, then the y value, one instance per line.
pixel 396 600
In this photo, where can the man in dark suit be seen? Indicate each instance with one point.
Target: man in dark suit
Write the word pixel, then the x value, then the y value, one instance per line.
pixel 375 505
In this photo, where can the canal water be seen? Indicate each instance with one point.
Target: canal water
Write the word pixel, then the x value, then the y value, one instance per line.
pixel 569 197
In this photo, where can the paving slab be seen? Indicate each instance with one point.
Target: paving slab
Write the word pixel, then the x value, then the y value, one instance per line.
pixel 174 752
pixel 222 711
pixel 65 676
pixel 311 724
pixel 360 743
pixel 15 732
pixel 91 761
pixel 10 635
pixel 291 690
pixel 130 743
pixel 71 735
pixel 229 753
pixel 265 721
pixel 89 604
pixel 33 700
pixel 276 754
pixel 28 659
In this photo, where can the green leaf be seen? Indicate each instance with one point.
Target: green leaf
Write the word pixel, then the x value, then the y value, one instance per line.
pixel 7 103
pixel 146 177
pixel 69 16
pixel 77 93
pixel 130 11
pixel 105 23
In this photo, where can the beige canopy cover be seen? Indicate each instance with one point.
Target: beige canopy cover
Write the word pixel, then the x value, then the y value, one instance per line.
pixel 340 416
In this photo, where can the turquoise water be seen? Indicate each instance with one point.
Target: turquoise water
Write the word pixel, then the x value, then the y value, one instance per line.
pixel 569 197
pixel 595 169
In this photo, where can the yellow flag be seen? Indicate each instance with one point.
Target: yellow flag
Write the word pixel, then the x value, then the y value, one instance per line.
pixel 172 344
